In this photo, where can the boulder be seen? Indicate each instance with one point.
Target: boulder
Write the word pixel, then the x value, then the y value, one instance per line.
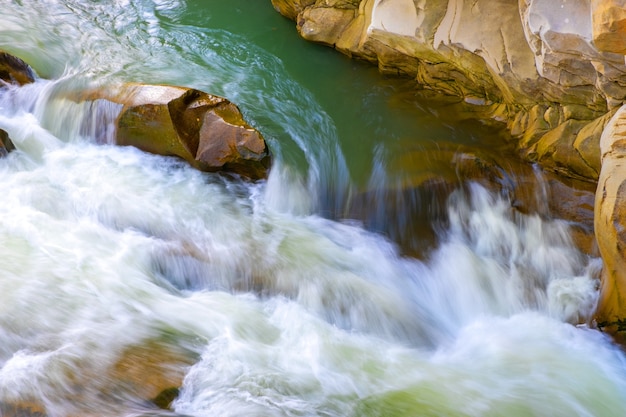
pixel 418 182
pixel 15 71
pixel 207 131
pixel 6 145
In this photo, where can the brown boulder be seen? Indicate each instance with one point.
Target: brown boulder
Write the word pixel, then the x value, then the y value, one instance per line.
pixel 6 145
pixel 609 25
pixel 207 131
pixel 15 71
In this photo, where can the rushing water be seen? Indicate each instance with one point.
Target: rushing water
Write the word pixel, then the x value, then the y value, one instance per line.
pixel 117 267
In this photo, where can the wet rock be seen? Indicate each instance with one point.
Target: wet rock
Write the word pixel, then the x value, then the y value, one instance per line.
pixel 419 181
pixel 152 372
pixel 145 379
pixel 21 409
pixel 15 71
pixel 207 131
pixel 324 24
pixel 6 145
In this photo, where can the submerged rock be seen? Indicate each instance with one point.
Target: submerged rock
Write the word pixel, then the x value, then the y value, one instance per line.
pixel 15 71
pixel 145 378
pixel 207 131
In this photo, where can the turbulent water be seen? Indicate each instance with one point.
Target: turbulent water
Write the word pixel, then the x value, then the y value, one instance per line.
pixel 117 267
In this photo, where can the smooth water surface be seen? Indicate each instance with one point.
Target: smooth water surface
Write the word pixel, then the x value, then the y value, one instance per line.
pixel 123 274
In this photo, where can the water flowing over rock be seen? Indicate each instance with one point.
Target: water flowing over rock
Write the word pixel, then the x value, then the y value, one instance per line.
pixel 207 131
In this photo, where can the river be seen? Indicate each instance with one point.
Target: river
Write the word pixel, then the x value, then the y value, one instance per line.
pixel 326 290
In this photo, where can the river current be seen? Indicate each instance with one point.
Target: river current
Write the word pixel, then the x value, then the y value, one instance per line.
pixel 267 298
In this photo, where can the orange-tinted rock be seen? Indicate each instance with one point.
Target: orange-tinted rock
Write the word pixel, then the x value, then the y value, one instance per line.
pixel 291 8
pixel 15 71
pixel 609 26
pixel 150 372
pixel 145 377
pixel 206 130
pixel 610 225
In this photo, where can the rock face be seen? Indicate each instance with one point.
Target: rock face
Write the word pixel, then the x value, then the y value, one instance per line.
pixel 551 69
pixel 207 131
pixel 15 71
pixel 610 224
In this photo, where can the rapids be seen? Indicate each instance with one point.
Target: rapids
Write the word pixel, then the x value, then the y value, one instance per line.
pixel 266 298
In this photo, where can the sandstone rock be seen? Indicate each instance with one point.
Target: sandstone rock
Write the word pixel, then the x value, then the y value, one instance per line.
pixel 291 8
pixel 324 24
pixel 207 131
pixel 569 150
pixel 145 377
pixel 6 145
pixel 547 61
pixel 610 224
pixel 609 25
pixel 15 71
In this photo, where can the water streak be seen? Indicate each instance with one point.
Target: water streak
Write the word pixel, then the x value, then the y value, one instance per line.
pixel 251 291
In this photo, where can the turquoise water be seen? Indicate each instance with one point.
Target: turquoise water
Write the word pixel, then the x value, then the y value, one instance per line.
pixel 124 274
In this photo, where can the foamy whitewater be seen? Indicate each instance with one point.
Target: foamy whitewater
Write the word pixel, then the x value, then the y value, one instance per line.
pixel 282 311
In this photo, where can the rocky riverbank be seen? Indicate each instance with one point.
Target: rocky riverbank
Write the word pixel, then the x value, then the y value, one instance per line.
pixel 553 72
